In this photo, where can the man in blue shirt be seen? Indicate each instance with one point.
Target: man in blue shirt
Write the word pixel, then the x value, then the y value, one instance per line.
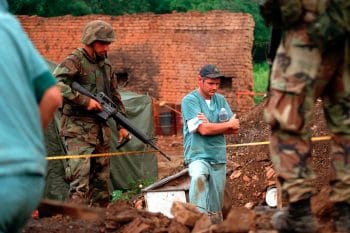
pixel 204 141
pixel 29 99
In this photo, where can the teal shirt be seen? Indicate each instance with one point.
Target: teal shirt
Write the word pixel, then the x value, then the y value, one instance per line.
pixel 24 78
pixel 197 147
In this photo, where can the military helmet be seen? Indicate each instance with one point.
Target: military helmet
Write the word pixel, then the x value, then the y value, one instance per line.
pixel 97 30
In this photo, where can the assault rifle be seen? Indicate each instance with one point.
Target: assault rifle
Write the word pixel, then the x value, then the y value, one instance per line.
pixel 110 110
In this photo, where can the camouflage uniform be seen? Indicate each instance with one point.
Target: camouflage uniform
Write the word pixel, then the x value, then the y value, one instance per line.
pixel 301 73
pixel 312 61
pixel 84 133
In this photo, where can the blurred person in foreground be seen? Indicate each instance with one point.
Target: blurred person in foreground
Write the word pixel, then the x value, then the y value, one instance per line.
pixel 83 131
pixel 29 100
pixel 204 142
pixel 312 61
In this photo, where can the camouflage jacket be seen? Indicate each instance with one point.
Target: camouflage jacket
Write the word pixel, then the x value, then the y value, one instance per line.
pixel 93 76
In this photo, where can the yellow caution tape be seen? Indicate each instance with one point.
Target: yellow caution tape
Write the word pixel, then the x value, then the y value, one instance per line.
pixel 249 144
pixel 56 157
pixel 323 138
pixel 314 139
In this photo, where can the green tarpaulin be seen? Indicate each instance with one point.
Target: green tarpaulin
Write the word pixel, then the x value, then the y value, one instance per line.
pixel 130 169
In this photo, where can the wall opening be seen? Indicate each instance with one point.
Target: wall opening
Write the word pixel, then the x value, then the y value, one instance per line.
pixel 122 79
pixel 226 83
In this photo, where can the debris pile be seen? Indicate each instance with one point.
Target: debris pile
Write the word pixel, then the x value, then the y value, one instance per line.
pixel 246 211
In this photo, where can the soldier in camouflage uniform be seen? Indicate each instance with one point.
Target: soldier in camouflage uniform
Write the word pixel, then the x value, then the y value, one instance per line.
pixel 84 133
pixel 312 61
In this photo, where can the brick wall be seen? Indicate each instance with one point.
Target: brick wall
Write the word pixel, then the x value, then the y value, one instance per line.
pixel 162 53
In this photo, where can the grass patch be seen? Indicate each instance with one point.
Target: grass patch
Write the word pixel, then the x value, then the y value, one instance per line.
pixel 134 190
pixel 261 79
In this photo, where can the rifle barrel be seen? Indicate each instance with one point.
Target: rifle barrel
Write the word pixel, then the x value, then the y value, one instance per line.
pixel 123 121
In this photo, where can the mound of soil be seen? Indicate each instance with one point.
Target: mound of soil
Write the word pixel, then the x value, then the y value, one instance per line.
pixel 252 174
pixel 252 169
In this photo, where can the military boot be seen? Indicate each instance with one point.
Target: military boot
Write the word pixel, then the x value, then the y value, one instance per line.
pixel 342 222
pixel 296 218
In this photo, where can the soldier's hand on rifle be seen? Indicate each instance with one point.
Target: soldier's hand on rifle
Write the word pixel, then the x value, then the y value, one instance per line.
pixel 123 134
pixel 93 105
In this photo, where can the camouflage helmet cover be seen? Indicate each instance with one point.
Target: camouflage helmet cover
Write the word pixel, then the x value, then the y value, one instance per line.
pixel 97 30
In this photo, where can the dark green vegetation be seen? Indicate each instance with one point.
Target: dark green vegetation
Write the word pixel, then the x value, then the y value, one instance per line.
pixel 261 79
pixel 49 8
pixel 134 190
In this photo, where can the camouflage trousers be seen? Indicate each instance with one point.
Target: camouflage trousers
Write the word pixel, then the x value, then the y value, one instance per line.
pixel 301 73
pixel 88 177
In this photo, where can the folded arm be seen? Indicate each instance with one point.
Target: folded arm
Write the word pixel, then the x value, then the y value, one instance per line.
pixel 208 128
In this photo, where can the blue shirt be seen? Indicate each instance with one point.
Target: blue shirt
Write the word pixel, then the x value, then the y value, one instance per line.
pixel 211 148
pixel 24 77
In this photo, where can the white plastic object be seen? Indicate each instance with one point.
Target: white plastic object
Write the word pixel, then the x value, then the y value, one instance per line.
pixel 271 196
pixel 223 115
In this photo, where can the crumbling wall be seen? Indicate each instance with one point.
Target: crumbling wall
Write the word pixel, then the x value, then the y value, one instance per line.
pixel 161 54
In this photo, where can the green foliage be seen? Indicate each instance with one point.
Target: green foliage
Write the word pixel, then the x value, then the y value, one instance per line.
pixel 49 8
pixel 135 188
pixel 160 7
pixel 191 5
pixel 79 8
pixel 120 7
pixel 261 79
pixel 24 7
pixel 119 195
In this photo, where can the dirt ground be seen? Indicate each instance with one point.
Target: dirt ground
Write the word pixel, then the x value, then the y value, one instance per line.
pixel 252 174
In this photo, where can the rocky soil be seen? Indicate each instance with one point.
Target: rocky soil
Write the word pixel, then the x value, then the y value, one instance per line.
pixel 251 175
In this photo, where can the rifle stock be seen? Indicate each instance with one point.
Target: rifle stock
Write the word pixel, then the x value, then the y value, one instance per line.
pixel 110 110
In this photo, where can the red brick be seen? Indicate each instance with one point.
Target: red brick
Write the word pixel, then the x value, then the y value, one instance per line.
pixel 161 53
